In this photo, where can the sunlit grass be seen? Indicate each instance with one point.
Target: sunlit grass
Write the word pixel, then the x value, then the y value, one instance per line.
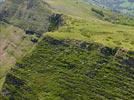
pixel 105 33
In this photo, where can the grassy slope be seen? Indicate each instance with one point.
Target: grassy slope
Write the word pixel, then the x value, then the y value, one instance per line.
pixel 57 71
pixel 88 27
pixel 73 8
pixel 81 9
pixel 13 45
pixel 69 70
pixel 104 33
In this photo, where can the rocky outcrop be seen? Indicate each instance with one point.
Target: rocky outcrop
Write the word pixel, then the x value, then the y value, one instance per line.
pixel 14 80
pixel 54 41
pixel 56 21
pixel 107 51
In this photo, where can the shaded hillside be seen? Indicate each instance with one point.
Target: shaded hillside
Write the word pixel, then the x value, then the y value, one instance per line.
pixel 28 15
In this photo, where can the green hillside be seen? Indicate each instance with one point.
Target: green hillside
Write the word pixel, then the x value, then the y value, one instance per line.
pixel 13 45
pixel 72 50
pixel 20 29
pixel 84 10
pixel 105 33
pixel 66 69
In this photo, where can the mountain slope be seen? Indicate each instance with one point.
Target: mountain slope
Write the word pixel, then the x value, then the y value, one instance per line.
pixel 105 33
pixel 13 45
pixel 84 10
pixel 124 6
pixel 63 69
pixel 21 25
pixel 29 15
pixel 82 56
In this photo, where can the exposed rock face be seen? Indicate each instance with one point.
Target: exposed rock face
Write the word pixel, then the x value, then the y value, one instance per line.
pixel 54 41
pixel 29 32
pixel 56 21
pixel 129 61
pixel 30 4
pixel 14 80
pixel 108 51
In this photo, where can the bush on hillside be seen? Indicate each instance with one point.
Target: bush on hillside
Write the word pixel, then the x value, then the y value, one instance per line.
pixel 98 12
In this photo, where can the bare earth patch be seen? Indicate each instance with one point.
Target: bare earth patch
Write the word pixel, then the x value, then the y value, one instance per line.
pixel 13 44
